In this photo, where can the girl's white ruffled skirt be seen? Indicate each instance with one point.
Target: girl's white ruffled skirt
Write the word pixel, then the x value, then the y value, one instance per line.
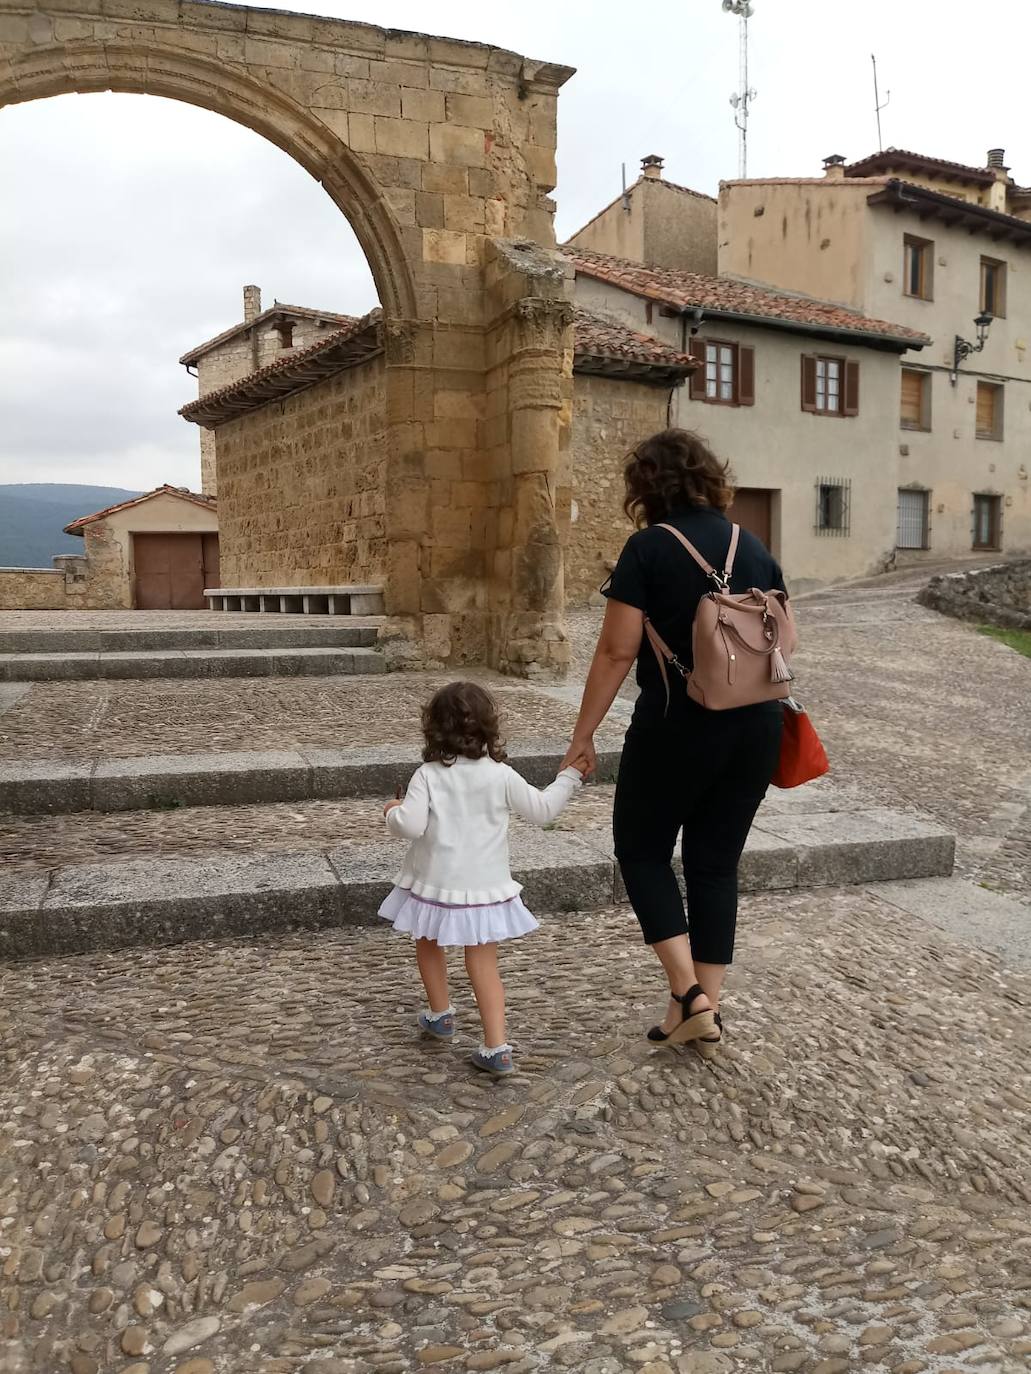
pixel 456 925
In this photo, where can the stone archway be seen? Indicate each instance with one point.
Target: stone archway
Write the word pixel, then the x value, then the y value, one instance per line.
pixel 441 155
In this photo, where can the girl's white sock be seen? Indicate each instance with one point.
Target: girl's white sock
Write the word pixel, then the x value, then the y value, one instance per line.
pixel 436 1015
pixel 496 1050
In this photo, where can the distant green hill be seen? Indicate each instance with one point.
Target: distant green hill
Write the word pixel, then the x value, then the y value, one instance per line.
pixel 33 516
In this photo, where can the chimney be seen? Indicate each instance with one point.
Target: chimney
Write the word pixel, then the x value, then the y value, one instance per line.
pixel 997 158
pixel 251 303
pixel 834 167
pixel 651 167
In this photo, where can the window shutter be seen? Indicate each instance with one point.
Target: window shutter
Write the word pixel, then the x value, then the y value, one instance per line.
pixel 746 376
pixel 985 411
pixel 808 382
pixel 851 389
pixel 912 407
pixel 696 348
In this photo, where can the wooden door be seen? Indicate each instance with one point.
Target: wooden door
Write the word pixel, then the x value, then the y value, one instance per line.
pixel 169 572
pixel 753 511
pixel 211 564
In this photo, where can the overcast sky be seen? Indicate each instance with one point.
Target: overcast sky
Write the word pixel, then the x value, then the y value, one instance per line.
pixel 129 224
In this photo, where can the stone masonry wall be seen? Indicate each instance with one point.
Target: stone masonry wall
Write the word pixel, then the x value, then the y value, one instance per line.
pixel 609 417
pixel 32 589
pixel 301 486
pixel 991 596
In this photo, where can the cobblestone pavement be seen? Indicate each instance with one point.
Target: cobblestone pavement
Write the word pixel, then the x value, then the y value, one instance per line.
pixel 234 1159
pixel 916 711
pixel 127 719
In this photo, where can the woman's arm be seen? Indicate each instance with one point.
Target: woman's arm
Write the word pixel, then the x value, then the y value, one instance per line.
pixel 409 819
pixel 618 645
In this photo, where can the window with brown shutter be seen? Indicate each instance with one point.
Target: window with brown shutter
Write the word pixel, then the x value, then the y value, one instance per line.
pixel 918 268
pixel 987 521
pixel 727 373
pixel 989 410
pixel 993 286
pixel 830 386
pixel 915 405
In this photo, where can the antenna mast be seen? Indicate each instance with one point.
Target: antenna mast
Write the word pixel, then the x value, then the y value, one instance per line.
pixel 878 107
pixel 743 98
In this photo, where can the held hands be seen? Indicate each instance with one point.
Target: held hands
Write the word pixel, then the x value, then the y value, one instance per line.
pixel 582 756
pixel 389 806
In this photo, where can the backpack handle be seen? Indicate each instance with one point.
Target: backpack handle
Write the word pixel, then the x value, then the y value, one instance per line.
pixel 721 579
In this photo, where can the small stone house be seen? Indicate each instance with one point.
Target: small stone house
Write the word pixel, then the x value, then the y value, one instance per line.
pixel 262 338
pixel 157 551
pixel 301 471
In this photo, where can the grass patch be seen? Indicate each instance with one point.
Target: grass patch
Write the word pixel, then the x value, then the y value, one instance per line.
pixel 1015 639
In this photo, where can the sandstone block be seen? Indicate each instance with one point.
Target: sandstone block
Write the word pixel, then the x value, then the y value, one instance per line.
pixel 429 210
pixel 474 111
pixel 361 132
pixel 464 214
pixel 447 180
pixel 458 145
pixel 441 245
pixel 424 105
pixel 402 138
pixel 375 98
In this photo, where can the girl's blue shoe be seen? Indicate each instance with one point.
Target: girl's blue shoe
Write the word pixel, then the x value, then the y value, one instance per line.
pixel 497 1062
pixel 440 1027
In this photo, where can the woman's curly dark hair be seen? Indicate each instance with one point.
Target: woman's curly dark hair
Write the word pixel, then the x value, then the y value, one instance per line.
pixel 461 721
pixel 673 469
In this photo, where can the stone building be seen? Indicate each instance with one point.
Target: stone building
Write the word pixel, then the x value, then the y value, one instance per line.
pixel 657 222
pixel 261 338
pixel 301 475
pixel 800 395
pixel 933 244
pixel 157 551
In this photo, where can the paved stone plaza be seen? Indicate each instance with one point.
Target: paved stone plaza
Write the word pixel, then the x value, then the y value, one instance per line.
pixel 232 1157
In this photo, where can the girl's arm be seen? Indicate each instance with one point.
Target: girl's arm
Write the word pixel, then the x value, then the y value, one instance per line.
pixel 540 805
pixel 618 644
pixel 409 820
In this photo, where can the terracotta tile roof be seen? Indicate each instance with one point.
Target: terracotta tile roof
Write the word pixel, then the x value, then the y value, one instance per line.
pixel 727 297
pixel 208 502
pixel 603 345
pixel 357 341
pixel 301 312
pixel 891 159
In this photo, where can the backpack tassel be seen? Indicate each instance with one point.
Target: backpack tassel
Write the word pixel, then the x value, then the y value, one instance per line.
pixel 779 670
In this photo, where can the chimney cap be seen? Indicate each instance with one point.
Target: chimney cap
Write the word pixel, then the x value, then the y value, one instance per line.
pixel 997 157
pixel 835 160
pixel 651 166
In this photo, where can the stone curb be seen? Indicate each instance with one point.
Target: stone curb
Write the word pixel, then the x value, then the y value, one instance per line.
pixel 190 663
pixel 264 635
pixel 172 780
pixel 159 900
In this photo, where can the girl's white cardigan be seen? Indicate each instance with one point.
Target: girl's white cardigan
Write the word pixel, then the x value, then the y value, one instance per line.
pixel 457 818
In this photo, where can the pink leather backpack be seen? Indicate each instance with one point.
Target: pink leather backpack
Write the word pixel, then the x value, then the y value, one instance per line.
pixel 741 644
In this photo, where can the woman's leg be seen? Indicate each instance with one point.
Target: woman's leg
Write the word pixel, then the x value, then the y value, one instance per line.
pixel 645 820
pixel 432 963
pixel 713 841
pixel 481 962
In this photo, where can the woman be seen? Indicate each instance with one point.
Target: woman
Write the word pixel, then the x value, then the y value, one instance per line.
pixel 682 765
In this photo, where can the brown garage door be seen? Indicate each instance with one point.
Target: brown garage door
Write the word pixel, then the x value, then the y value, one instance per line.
pixel 753 510
pixel 172 570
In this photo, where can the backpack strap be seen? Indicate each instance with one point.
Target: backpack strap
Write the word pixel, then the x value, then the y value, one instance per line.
pixel 722 579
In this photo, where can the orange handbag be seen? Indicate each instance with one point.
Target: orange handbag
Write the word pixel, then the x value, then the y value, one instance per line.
pixel 802 756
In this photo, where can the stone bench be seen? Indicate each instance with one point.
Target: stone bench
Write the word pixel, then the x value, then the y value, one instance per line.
pixel 347 600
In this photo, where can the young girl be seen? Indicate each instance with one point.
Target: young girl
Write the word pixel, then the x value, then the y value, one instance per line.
pixel 455 886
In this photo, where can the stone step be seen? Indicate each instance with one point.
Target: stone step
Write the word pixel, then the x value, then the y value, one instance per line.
pixel 158 781
pixel 160 899
pixel 305 634
pixel 190 663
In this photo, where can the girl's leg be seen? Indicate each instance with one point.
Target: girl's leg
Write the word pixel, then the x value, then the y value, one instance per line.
pixel 481 962
pixel 432 963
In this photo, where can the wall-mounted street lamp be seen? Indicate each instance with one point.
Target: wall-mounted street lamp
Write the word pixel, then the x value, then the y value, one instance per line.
pixel 963 347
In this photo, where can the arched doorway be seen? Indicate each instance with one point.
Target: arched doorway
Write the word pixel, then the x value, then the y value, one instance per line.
pixel 441 156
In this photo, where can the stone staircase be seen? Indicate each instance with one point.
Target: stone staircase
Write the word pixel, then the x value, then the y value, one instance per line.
pixel 303 647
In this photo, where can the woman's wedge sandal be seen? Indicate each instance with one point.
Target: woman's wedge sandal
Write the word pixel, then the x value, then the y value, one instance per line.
pixel 707 1045
pixel 693 1026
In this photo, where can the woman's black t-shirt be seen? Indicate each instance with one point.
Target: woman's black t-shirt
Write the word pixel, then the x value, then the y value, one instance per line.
pixel 656 574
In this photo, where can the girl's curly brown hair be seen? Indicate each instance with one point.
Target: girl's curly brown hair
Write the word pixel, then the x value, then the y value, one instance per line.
pixel 461 721
pixel 674 469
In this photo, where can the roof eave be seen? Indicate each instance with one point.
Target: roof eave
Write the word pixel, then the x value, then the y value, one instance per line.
pixel 631 370
pixel 886 343
pixel 901 195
